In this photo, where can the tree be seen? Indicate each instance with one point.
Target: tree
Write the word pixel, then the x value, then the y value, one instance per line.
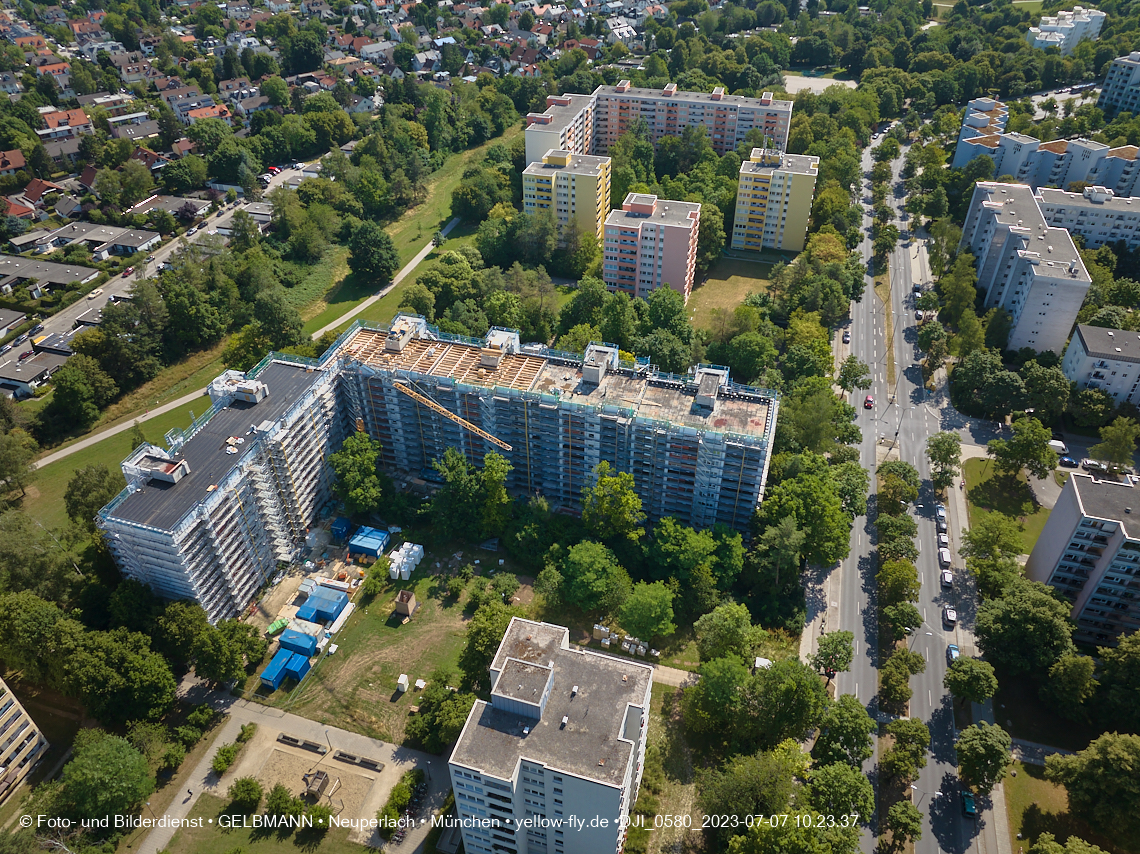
pixel 484 633
pixel 944 451
pixel 648 612
pixel 727 630
pixel 898 582
pixel 281 802
pixel 1071 684
pixel 970 680
pixel 442 714
pixel 17 454
pixel 904 821
pixel 844 733
pixel 991 547
pixel 854 374
pixel 983 756
pixel 611 508
pixel 907 756
pixel 106 776
pixel 752 785
pixel 1120 678
pixel 1117 442
pixel 245 795
pixel 783 701
pixel 834 653
pixel 1102 783
pixel 1047 389
pixel 276 90
pixel 840 789
pixel 1028 448
pixel 592 579
pixel 713 704
pixel 1047 844
pixel 136 182
pixel 89 490
pixel 900 619
pixel 372 253
pixel 1027 629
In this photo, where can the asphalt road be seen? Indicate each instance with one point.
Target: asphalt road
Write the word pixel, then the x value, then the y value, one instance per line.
pixel 903 414
pixel 64 321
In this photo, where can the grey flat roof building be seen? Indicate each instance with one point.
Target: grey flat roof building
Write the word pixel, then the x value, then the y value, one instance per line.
pixel 15 269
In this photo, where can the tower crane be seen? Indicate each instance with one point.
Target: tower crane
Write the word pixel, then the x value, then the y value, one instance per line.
pixel 402 386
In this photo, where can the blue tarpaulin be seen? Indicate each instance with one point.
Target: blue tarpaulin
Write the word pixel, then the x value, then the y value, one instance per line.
pixel 368 541
pixel 273 675
pixel 296 641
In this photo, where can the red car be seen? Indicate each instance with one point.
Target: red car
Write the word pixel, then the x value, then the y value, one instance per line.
pixel 274 170
pixel 869 403
pixel 26 354
pixel 128 271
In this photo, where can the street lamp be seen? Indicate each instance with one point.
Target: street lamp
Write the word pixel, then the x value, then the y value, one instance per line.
pixel 429 770
pixel 933 795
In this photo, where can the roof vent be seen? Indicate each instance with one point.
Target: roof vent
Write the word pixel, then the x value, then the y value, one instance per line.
pixel 526 730
pixel 574 691
pixel 1111 333
pixel 565 720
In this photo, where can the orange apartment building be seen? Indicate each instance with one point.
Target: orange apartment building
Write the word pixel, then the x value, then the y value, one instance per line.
pixel 651 243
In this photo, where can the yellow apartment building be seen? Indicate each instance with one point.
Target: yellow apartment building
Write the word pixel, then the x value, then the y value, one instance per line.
pixel 773 200
pixel 575 186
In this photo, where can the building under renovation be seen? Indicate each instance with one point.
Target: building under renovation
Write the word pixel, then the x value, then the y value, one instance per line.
pixel 209 517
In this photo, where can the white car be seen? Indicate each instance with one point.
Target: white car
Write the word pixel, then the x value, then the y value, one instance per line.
pixel 944 540
pixel 947 578
pixel 940 511
pixel 949 615
pixel 95 293
pixel 944 557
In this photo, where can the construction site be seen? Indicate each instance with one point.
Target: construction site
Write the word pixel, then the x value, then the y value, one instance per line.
pixel 213 514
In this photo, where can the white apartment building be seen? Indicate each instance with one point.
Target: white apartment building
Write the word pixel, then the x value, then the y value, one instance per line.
pixel 590 124
pixel 1107 359
pixel 22 744
pixel 553 763
pixel 984 117
pixel 1065 29
pixel 773 203
pixel 1097 214
pixel 1120 91
pixel 651 243
pixel 1090 553
pixel 1025 266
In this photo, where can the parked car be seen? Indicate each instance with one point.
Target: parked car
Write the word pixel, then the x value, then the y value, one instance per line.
pixel 1093 465
pixel 5 348
pixel 274 170
pixel 944 557
pixel 1058 447
pixel 26 354
pixel 947 578
pixel 128 271
pixel 940 511
pixel 953 653
pixel 969 809
pixel 869 402
pixel 941 523
pixel 918 287
pixel 949 615
pixel 944 540
pixel 191 230
pixel 21 339
pixel 149 259
pixel 95 293
pixel 1068 462
pixel 39 327
pixel 846 336
pixel 918 315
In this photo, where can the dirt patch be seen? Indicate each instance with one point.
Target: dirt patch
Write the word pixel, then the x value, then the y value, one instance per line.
pixel 346 791
pixel 525 594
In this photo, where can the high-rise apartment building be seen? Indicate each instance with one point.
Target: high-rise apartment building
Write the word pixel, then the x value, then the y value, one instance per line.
pixel 567 125
pixel 1120 91
pixel 575 186
pixel 21 742
pixel 1025 266
pixel 773 200
pixel 1108 359
pixel 1090 552
pixel 1065 29
pixel 651 243
pixel 209 516
pixel 984 117
pixel 553 763
pixel 1097 214
pixel 590 124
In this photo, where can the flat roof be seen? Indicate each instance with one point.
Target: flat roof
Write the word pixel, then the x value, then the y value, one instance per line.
pixel 561 115
pixel 799 163
pixel 31 369
pixel 693 97
pixel 1109 499
pixel 580 164
pixel 46 272
pixel 590 745
pixel 1017 208
pixel 1119 344
pixel 1120 204
pixel 666 212
pixel 161 504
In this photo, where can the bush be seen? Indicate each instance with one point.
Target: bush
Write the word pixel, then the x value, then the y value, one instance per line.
pixel 321 817
pixel 247 732
pixel 506 585
pixel 188 735
pixel 201 717
pixel 455 587
pixel 398 801
pixel 174 756
pixel 224 758
pixel 466 572
pixel 245 794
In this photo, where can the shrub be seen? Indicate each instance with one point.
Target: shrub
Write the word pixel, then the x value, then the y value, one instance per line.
pixel 188 735
pixel 455 587
pixel 247 732
pixel 201 717
pixel 224 758
pixel 174 756
pixel 321 817
pixel 245 794
pixel 398 800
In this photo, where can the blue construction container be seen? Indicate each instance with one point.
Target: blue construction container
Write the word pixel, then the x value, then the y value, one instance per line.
pixel 368 541
pixel 340 529
pixel 297 666
pixel 273 675
pixel 323 605
pixel 299 642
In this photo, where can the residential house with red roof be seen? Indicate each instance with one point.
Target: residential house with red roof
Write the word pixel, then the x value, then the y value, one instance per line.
pixel 11 162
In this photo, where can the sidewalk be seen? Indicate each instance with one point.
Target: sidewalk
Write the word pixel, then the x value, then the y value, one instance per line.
pixel 998 825
pixel 88 441
pixel 1032 753
pixel 258 752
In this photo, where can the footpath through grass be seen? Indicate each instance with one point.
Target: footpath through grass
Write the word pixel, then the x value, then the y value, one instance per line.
pixel 988 492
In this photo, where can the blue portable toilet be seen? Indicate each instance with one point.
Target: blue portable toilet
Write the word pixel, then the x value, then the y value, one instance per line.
pixel 273 675
pixel 298 642
pixel 368 541
pixel 297 666
pixel 340 529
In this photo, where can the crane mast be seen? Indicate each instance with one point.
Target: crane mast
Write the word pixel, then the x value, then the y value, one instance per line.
pixel 462 422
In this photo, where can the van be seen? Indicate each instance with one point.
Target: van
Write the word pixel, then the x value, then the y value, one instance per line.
pixel 1060 447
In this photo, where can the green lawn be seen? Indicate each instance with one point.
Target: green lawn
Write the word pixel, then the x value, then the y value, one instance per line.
pixel 987 493
pixel 416 227
pixel 1037 806
pixel 725 287
pixel 44 500
pixel 681 649
pixel 679 794
pixel 319 281
pixel 211 839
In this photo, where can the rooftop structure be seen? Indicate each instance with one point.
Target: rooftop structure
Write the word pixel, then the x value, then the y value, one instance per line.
pixel 773 203
pixel 23 744
pixel 565 721
pixel 1090 552
pixel 1025 266
pixel 1097 214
